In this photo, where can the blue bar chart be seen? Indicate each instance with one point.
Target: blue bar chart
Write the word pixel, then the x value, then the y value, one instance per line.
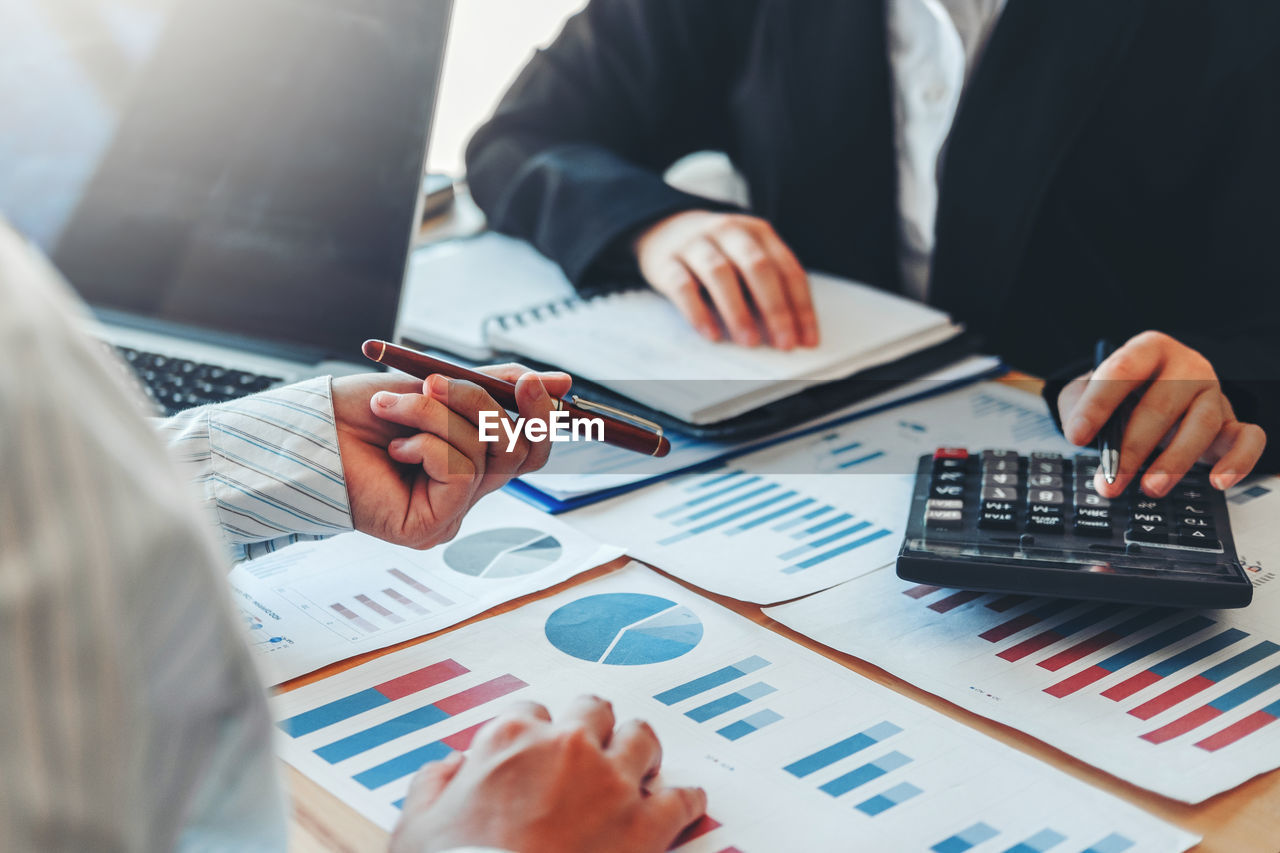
pixel 751 723
pixel 887 799
pixel 729 701
pixel 842 749
pixel 859 776
pixel 793 751
pixel 966 839
pixel 711 680
pixel 806 531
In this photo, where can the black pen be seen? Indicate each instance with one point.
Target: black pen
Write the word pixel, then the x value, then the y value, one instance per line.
pixel 1112 432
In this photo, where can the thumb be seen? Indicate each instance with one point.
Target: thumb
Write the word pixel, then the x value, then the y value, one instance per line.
pixel 556 383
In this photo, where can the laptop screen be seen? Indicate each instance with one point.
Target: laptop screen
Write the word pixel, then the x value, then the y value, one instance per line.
pixel 240 166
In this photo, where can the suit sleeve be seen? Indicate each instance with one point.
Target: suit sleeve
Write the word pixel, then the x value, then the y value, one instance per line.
pixel 1241 265
pixel 1235 320
pixel 572 159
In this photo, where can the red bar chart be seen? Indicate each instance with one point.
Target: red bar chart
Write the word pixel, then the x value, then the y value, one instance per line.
pixel 1116 639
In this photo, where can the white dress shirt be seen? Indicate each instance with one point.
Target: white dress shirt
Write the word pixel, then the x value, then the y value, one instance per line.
pixel 933 46
pixel 131 716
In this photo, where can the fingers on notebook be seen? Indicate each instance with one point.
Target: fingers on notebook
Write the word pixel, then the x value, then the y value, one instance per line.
pixel 730 271
pixel 719 277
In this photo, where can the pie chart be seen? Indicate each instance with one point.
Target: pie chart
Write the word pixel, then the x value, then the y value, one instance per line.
pixel 624 629
pixel 503 552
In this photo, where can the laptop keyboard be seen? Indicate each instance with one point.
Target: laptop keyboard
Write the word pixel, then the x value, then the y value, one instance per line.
pixel 174 384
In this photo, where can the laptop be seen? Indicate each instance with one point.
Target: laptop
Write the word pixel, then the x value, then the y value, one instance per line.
pixel 232 185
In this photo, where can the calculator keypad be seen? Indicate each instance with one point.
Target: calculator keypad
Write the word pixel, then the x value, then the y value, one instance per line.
pixel 1046 495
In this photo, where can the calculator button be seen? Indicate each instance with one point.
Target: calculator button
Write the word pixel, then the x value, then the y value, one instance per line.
pixel 940 465
pixel 999 493
pixel 1149 518
pixel 951 453
pixel 1149 534
pixel 1199 539
pixel 942 503
pixel 999 454
pixel 1184 493
pixel 1044 509
pixel 999 506
pixel 1045 466
pixel 1148 505
pixel 949 519
pixel 1195 521
pixel 1000 466
pixel 947 490
pixel 1044 523
pixel 992 520
pixel 1091 499
pixel 1191 508
pixel 952 475
pixel 1000 479
pixel 1092 527
pixel 1044 481
pixel 1046 457
pixel 1050 497
pixel 1099 513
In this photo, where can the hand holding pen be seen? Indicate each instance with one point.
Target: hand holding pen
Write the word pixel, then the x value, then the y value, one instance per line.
pixel 1179 416
pixel 618 428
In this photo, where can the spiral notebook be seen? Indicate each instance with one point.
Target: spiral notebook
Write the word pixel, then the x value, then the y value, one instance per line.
pixel 636 344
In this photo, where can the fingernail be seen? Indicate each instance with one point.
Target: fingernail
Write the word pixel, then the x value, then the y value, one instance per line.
pixel 1156 483
pixel 1077 428
pixel 395 445
pixel 438 384
pixel 1225 480
pixel 786 340
pixel 385 399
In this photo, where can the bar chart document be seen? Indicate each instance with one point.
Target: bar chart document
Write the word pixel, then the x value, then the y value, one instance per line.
pixel 314 603
pixel 1182 702
pixel 818 510
pixel 796 753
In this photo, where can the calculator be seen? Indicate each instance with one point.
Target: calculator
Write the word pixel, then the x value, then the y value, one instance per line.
pixel 1001 521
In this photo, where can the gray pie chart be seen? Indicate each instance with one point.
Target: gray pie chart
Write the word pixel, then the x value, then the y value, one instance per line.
pixel 503 552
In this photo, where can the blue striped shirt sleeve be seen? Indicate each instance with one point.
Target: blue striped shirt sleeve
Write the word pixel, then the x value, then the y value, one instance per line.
pixel 268 466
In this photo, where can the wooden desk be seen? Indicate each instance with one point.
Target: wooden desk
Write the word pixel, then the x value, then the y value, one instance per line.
pixel 1244 820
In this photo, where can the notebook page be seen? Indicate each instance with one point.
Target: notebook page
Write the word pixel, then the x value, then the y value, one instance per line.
pixel 452 288
pixel 638 344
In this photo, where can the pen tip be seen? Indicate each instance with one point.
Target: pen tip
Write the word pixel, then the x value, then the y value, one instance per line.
pixel 374 349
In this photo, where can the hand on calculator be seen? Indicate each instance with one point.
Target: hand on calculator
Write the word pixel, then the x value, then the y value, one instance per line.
pixel 1181 408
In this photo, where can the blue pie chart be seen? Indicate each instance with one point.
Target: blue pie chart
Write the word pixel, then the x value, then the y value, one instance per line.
pixel 624 629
